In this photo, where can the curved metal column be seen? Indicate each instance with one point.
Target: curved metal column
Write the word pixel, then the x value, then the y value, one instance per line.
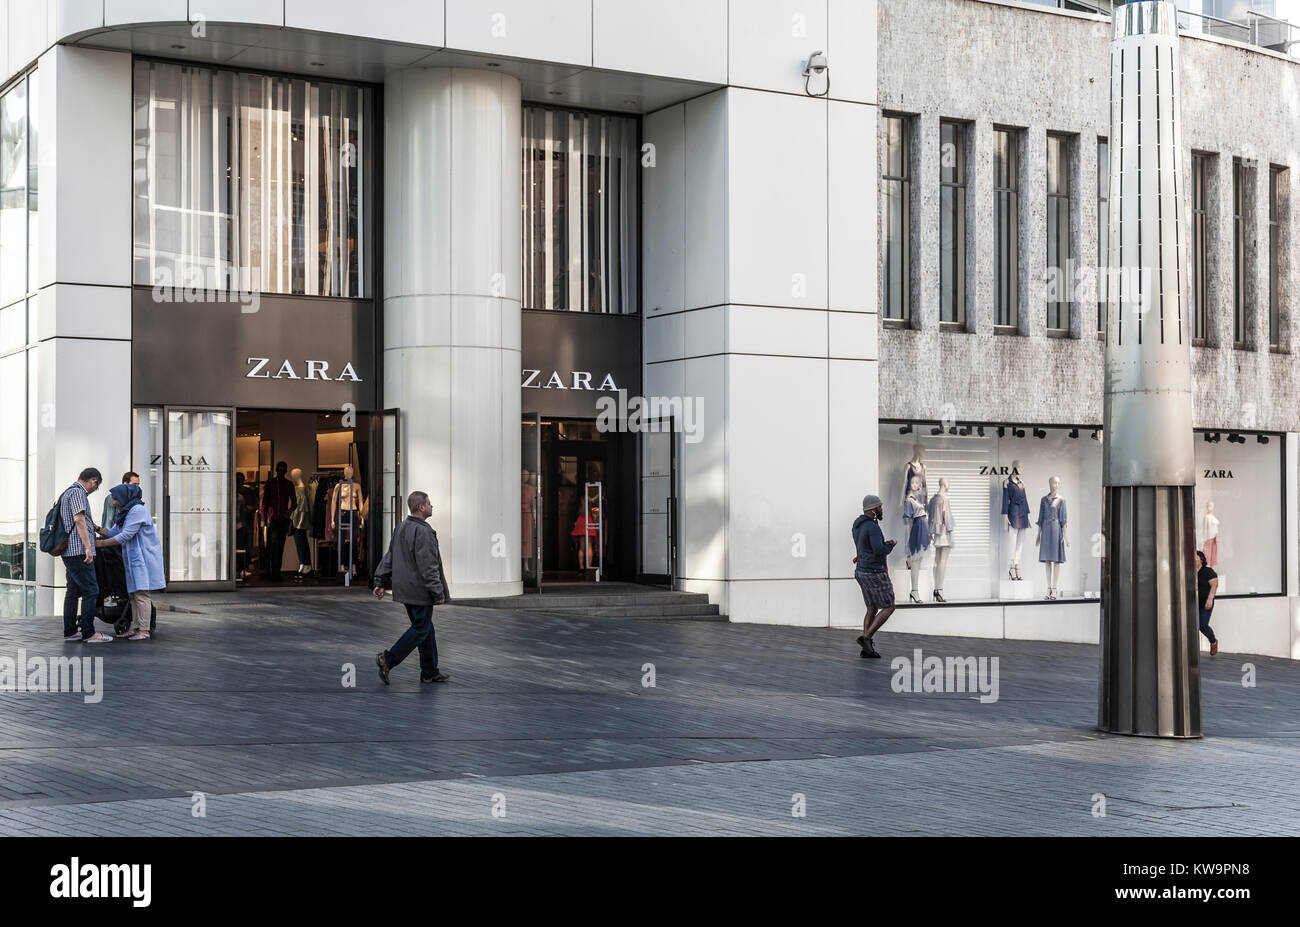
pixel 1150 677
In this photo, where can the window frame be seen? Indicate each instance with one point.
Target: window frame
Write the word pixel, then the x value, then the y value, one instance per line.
pixel 1063 228
pixel 955 214
pixel 906 198
pixel 1006 247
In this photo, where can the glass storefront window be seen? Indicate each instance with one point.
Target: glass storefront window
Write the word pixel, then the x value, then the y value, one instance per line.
pixel 1242 479
pixel 581 211
pixel 13 465
pixel 250 182
pixel 13 194
pixel 198 485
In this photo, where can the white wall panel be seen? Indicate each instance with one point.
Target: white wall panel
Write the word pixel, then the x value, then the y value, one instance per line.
pixel 675 38
pixel 704 331
pixel 67 310
pixel 852 182
pixel 69 17
pixel 703 550
pixel 416 22
pixel 852 455
pixel 26 33
pixel 661 338
pixel 769 39
pixel 954 622
pixel 1078 623
pixel 119 12
pixel 663 210
pixel 776 330
pixel 777 445
pixel 851 49
pixel 557 30
pixel 803 603
pixel 706 200
pixel 853 335
pixel 263 12
pixel 776 184
pixel 1260 626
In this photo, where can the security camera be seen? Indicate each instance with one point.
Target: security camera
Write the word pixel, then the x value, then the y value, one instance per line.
pixel 816 64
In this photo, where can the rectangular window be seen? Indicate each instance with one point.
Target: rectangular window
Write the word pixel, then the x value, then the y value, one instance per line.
pixel 1103 230
pixel 581 211
pixel 1276 179
pixel 250 181
pixel 896 218
pixel 952 222
pixel 1200 246
pixel 1006 225
pixel 1239 268
pixel 13 194
pixel 1060 255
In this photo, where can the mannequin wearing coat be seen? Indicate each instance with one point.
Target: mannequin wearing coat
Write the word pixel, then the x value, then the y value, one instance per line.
pixel 1210 535
pixel 916 519
pixel 915 470
pixel 941 526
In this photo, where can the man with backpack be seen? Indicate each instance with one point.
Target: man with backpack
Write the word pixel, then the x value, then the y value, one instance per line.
pixel 79 559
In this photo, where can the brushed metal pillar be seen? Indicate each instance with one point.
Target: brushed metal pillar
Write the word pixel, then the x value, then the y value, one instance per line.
pixel 1150 675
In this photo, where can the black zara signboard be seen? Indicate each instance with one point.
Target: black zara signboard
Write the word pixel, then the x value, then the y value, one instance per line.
pixel 276 352
pixel 571 359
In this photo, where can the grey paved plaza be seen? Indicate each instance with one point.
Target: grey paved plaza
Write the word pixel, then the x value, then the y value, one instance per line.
pixel 547 728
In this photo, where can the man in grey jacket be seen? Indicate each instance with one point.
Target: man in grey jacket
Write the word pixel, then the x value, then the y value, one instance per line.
pixel 413 567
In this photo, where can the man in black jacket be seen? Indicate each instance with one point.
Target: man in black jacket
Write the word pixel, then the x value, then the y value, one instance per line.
pixel 413 567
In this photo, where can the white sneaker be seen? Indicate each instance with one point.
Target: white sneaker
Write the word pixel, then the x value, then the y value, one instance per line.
pixel 98 639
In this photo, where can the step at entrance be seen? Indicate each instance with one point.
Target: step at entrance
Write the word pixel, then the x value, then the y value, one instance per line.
pixel 607 600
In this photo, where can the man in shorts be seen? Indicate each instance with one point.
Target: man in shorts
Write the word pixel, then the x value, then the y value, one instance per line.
pixel 872 572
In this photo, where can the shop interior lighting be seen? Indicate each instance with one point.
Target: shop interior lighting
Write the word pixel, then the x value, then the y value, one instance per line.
pixel 936 430
pixel 965 431
pixel 1096 435
pixel 980 431
pixel 1074 432
pixel 1039 433
pixel 1002 431
pixel 1018 432
pixel 1262 439
pixel 905 430
pixel 1236 439
pixel 952 429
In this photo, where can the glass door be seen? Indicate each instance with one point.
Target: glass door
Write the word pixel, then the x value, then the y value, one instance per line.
pixel 387 508
pixel 659 502
pixel 198 497
pixel 530 500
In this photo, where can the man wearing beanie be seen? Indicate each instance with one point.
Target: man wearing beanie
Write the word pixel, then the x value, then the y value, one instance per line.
pixel 872 572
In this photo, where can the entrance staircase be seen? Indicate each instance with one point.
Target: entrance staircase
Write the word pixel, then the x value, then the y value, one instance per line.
pixel 607 600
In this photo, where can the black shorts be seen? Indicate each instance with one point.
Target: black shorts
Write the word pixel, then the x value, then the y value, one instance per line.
pixel 877 589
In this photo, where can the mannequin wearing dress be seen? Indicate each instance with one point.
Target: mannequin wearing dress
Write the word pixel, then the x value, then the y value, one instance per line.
pixel 915 469
pixel 916 519
pixel 1016 509
pixel 940 535
pixel 1210 545
pixel 1051 535
pixel 301 519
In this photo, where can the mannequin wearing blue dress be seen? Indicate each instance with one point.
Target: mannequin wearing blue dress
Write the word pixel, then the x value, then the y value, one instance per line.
pixel 1051 540
pixel 1016 509
pixel 916 519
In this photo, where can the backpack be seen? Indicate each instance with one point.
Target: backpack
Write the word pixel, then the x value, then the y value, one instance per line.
pixel 54 537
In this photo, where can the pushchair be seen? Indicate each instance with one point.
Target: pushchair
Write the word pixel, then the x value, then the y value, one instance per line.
pixel 113 606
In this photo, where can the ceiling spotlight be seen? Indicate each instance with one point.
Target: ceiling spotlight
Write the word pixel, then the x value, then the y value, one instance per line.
pixel 952 429
pixel 1262 439
pixel 1074 432
pixel 1002 431
pixel 492 64
pixel 1208 439
pixel 1236 439
pixel 905 430
pixel 1039 433
pixel 936 430
pixel 965 430
pixel 317 64
pixel 1096 435
pixel 1018 432
pixel 980 431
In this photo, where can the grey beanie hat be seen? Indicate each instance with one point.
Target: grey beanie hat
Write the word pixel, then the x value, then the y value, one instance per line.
pixel 870 502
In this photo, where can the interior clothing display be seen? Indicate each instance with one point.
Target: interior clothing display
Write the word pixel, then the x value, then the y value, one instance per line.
pixel 278 499
pixel 915 515
pixel 1015 506
pixel 527 504
pixel 302 509
pixel 915 468
pixel 941 523
pixel 1051 530
pixel 1211 551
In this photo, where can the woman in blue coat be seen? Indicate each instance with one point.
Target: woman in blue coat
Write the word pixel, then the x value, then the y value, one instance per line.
pixel 141 555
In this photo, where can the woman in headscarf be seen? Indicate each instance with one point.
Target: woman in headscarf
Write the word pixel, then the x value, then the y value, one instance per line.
pixel 141 555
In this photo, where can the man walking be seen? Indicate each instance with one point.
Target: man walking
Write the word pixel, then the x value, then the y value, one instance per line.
pixel 79 559
pixel 872 572
pixel 413 568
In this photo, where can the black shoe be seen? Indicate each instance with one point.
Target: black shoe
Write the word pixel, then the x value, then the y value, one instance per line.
pixel 381 660
pixel 440 677
pixel 862 642
pixel 870 650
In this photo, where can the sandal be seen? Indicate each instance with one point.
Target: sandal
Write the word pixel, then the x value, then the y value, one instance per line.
pixel 139 636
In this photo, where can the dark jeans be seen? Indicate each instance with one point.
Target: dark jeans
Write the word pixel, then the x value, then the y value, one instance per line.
pixel 83 585
pixel 419 634
pixel 1205 625
pixel 304 548
pixel 277 533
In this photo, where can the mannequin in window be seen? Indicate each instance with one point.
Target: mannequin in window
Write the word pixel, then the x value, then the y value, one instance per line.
pixel 915 469
pixel 278 504
pixel 916 520
pixel 1016 509
pixel 527 513
pixel 1210 538
pixel 301 519
pixel 940 535
pixel 1051 535
pixel 348 513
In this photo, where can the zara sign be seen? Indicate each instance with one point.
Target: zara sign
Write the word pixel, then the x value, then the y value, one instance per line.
pixel 572 359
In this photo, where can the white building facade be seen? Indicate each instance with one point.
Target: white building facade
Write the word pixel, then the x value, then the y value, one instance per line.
pixel 425 245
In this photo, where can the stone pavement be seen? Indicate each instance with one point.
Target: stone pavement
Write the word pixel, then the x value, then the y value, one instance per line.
pixel 547 728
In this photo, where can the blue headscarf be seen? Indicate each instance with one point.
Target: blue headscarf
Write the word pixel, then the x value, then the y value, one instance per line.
pixel 127 496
